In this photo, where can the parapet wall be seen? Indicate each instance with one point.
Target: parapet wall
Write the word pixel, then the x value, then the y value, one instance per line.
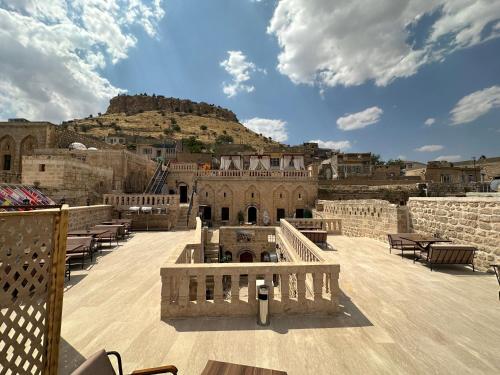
pixel 468 220
pixel 365 218
pixel 87 216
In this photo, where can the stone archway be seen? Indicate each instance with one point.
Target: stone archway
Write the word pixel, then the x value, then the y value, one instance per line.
pixel 7 153
pixel 26 148
pixel 246 256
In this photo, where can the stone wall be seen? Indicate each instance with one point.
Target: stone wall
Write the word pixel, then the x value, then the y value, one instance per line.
pixel 365 218
pixel 466 220
pixel 20 138
pixel 256 241
pixel 87 216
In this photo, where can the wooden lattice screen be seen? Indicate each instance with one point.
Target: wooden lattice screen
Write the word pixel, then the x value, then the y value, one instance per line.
pixel 32 258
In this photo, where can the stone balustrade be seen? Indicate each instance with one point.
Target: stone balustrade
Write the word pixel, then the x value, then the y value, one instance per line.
pixel 125 201
pixel 230 288
pixel 300 244
pixel 182 167
pixel 332 226
pixel 303 174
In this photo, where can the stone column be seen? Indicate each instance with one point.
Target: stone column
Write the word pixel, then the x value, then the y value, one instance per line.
pixel 285 287
pixel 218 293
pixel 201 291
pixel 301 286
pixel 268 280
pixel 235 288
pixel 184 291
pixel 251 289
pixel 318 285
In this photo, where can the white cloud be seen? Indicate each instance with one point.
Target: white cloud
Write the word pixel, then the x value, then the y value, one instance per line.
pixel 240 69
pixel 430 121
pixel 323 43
pixel 52 52
pixel 474 105
pixel 360 120
pixel 449 158
pixel 334 145
pixel 430 148
pixel 274 128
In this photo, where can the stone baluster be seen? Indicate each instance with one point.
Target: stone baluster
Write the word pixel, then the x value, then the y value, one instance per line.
pixel 218 293
pixel 166 284
pixel 285 287
pixel 235 288
pixel 268 280
pixel 301 286
pixel 251 289
pixel 184 290
pixel 201 291
pixel 318 285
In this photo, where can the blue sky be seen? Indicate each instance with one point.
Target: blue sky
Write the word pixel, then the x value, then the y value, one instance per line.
pixel 362 78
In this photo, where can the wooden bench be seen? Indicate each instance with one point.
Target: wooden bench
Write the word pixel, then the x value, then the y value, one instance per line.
pixel 396 242
pixel 112 233
pixel 444 254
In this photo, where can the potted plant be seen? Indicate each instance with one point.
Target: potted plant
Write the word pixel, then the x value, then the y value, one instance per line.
pixel 241 217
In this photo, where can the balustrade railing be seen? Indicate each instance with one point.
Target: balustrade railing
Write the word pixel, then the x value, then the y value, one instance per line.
pixel 303 246
pixel 254 173
pixel 182 167
pixel 332 226
pixel 231 288
pixel 125 201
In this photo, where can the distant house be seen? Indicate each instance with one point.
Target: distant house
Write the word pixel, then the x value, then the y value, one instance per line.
pixel 115 140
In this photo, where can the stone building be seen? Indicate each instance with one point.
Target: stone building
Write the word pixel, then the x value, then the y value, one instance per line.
pixel 446 173
pixel 248 188
pixel 105 171
pixel 20 137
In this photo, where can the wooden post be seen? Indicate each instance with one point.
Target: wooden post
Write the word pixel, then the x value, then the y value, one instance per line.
pixel 56 291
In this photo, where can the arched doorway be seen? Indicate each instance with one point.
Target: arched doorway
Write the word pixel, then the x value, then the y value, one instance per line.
pixel 252 215
pixel 246 257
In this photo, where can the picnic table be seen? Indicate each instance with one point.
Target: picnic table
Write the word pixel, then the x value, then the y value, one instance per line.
pixel 217 368
pixel 423 241
pixel 86 232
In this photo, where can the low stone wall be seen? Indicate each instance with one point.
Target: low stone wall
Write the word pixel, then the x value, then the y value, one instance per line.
pixel 87 216
pixel 365 218
pixel 466 220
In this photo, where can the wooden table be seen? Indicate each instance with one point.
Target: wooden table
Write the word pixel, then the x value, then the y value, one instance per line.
pixel 423 241
pixel 86 232
pixel 225 368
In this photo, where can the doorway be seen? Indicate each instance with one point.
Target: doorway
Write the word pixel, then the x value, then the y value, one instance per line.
pixel 280 214
pixel 206 213
pixel 246 257
pixel 252 215
pixel 183 192
pixel 299 213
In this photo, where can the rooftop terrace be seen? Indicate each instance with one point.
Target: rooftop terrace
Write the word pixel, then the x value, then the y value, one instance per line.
pixel 395 317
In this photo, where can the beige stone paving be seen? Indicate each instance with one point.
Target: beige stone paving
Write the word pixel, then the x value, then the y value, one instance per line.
pixel 397 318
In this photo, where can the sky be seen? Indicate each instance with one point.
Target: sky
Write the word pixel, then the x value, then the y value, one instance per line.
pixel 414 79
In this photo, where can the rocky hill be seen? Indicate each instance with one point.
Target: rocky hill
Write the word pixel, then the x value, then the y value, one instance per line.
pixel 158 118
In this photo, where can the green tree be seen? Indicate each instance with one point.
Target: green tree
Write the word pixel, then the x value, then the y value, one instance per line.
pixel 224 139
pixel 193 145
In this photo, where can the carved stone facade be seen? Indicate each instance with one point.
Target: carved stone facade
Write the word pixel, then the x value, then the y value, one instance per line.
pixel 256 198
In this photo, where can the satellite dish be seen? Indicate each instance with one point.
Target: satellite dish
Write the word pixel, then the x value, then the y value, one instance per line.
pixel 92 149
pixel 495 185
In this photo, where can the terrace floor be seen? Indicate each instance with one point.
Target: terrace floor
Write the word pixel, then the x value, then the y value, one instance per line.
pixel 396 318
